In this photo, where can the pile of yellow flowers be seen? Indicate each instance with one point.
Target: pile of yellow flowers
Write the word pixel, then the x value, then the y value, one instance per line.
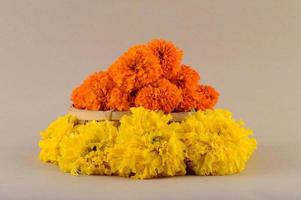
pixel 148 144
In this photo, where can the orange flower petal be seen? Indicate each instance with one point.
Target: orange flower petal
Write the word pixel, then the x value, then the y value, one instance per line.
pixel 187 77
pixel 169 56
pixel 162 95
pixel 92 93
pixel 200 97
pixel 209 97
pixel 135 68
pixel 119 100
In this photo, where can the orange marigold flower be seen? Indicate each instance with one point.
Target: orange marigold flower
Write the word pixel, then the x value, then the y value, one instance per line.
pixel 169 56
pixel 135 68
pixel 187 77
pixel 84 97
pixel 162 95
pixel 201 97
pixel 190 98
pixel 209 97
pixel 92 93
pixel 120 100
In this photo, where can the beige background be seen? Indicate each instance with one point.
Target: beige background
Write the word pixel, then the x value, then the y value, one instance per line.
pixel 248 50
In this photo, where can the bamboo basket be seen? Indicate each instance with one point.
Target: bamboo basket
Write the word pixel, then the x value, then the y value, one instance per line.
pixel 110 115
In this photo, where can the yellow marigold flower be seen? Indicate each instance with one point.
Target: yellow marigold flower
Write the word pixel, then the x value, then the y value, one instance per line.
pixel 147 146
pixel 85 149
pixel 216 143
pixel 52 136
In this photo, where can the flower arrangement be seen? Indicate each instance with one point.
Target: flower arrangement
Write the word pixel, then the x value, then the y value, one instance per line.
pixel 146 88
pixel 149 75
pixel 147 144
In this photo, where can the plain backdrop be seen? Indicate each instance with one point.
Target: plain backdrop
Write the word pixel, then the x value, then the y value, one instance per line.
pixel 248 50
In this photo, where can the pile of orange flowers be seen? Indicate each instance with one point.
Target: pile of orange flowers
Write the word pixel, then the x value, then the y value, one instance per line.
pixel 149 75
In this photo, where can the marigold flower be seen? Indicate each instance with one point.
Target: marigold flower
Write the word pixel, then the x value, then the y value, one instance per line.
pixel 190 99
pixel 209 97
pixel 120 100
pixel 169 55
pixel 187 77
pixel 84 97
pixel 162 95
pixel 200 97
pixel 92 93
pixel 147 146
pixel 135 68
pixel 84 150
pixel 52 137
pixel 216 144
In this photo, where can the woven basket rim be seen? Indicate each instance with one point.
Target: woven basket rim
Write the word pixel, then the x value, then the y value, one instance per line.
pixel 111 115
